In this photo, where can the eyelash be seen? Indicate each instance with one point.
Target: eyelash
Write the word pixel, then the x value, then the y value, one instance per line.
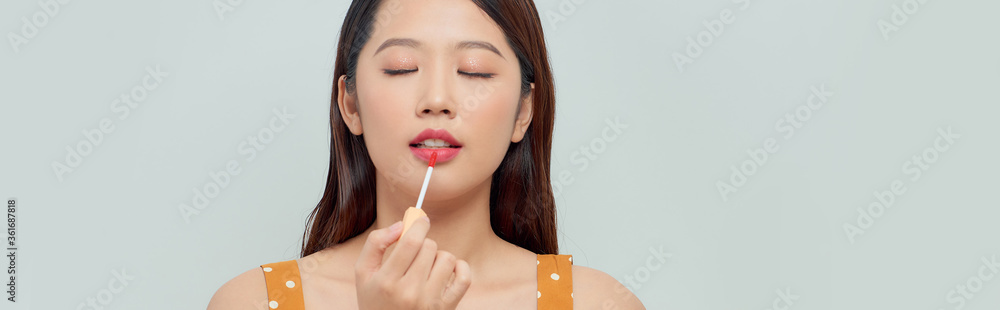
pixel 471 74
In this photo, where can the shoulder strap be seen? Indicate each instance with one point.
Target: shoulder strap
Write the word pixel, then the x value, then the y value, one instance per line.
pixel 284 285
pixel 555 281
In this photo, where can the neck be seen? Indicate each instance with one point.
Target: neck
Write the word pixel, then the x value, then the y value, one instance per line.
pixel 460 225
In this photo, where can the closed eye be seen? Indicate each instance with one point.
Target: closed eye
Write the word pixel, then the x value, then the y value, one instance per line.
pixel 399 72
pixel 471 74
pixel 477 74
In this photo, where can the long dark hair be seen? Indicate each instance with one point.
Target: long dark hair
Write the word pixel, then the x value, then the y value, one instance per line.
pixel 522 207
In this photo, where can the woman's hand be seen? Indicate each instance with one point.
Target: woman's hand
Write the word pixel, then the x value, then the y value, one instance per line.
pixel 415 276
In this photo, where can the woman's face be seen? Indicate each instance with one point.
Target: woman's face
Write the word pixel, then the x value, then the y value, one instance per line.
pixel 436 64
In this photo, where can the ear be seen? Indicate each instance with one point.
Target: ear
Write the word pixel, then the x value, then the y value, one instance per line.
pixel 347 103
pixel 523 117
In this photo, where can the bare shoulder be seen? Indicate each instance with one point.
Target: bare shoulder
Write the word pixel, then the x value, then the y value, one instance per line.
pixel 594 289
pixel 245 291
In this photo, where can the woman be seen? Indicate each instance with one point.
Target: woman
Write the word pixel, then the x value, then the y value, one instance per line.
pixel 471 81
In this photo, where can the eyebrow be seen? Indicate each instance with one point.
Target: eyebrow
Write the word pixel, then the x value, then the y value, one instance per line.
pixel 461 45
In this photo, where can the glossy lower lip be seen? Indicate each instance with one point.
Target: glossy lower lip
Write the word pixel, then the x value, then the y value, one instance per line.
pixel 444 154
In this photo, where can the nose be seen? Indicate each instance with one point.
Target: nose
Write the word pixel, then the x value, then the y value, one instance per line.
pixel 438 98
pixel 435 109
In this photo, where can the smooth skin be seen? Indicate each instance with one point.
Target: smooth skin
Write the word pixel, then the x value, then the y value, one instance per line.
pixel 473 91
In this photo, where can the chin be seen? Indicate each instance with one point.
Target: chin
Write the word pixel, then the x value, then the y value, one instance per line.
pixel 446 187
pixel 444 192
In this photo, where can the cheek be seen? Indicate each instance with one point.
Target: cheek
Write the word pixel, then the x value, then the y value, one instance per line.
pixel 379 111
pixel 492 122
pixel 382 112
pixel 491 102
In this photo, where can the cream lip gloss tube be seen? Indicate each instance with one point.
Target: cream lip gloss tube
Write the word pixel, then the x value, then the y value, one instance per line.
pixel 412 214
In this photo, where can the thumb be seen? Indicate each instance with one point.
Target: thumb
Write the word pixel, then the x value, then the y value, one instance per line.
pixel 378 240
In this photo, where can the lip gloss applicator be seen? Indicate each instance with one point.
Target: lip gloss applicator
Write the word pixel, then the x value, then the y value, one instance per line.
pixel 412 214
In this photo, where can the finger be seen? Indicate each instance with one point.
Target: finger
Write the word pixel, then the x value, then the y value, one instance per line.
pixel 463 279
pixel 441 273
pixel 371 254
pixel 420 269
pixel 406 250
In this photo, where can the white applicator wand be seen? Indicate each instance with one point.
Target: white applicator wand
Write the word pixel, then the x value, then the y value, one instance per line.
pixel 412 214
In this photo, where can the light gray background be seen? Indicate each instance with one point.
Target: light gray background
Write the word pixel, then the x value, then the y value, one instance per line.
pixel 652 188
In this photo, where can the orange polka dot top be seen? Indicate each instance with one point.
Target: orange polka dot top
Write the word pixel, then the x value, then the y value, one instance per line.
pixel 554 273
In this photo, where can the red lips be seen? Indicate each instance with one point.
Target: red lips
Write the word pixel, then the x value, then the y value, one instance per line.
pixel 435 134
pixel 443 154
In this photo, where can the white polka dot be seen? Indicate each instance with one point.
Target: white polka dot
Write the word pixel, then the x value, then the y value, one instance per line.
pixel 570 295
pixel 539 294
pixel 273 304
pixel 570 259
pixel 290 284
pixel 267 269
pixel 537 262
pixel 555 276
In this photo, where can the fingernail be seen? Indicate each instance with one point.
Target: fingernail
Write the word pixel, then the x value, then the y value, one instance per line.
pixel 396 227
pixel 426 218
